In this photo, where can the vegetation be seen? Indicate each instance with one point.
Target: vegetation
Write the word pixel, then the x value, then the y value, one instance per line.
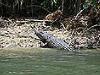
pixel 81 18
pixel 31 7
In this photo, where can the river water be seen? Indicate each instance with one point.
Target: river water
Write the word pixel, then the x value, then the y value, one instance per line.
pixel 48 62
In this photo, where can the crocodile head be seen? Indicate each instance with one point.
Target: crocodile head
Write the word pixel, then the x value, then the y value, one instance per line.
pixel 42 35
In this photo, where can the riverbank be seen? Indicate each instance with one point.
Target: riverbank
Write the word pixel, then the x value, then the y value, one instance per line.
pixel 19 34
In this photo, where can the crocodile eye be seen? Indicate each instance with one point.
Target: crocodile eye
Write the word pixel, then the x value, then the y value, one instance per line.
pixel 41 32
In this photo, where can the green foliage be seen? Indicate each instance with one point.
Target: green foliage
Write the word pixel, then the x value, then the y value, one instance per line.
pixel 9 7
pixel 90 2
pixel 51 4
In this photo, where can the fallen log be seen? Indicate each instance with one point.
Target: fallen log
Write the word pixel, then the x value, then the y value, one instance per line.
pixel 33 20
pixel 52 41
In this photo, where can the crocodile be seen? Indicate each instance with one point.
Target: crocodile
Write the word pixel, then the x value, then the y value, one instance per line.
pixel 52 41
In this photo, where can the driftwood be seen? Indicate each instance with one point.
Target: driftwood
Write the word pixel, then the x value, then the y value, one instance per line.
pixel 52 41
pixel 33 20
